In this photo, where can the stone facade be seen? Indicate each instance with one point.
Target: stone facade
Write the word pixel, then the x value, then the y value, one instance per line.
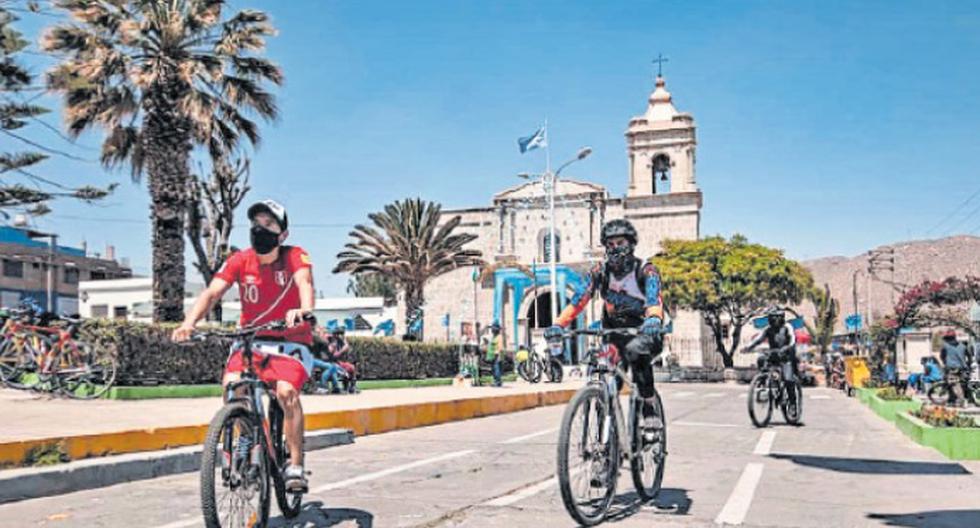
pixel 662 201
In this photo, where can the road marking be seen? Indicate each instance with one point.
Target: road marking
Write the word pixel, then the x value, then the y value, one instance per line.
pixel 529 436
pixel 682 394
pixel 391 471
pixel 819 396
pixel 522 494
pixel 765 443
pixel 740 500
pixel 743 396
pixel 714 395
pixel 703 424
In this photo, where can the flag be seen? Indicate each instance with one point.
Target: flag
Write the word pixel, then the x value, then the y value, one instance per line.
pixel 536 140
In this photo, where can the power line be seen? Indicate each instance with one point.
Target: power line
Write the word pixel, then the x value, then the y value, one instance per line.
pixel 954 212
pixel 963 220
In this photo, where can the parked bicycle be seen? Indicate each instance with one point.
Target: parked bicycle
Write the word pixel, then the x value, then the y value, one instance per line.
pixel 768 389
pixel 245 449
pixel 596 437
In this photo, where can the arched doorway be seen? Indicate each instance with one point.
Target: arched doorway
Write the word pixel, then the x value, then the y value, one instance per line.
pixel 538 318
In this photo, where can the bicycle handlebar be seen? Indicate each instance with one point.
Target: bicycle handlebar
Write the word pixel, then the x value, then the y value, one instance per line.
pixel 200 335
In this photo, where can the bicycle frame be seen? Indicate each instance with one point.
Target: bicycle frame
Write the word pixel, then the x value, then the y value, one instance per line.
pixel 255 389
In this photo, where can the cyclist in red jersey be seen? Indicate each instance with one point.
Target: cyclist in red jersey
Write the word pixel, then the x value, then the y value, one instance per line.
pixel 275 282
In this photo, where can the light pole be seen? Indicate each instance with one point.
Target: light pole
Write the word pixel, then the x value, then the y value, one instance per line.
pixel 550 181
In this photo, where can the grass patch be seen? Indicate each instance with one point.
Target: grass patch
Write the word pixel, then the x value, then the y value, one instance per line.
pixel 46 455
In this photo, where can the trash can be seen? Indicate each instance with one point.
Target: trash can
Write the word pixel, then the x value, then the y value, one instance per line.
pixel 856 372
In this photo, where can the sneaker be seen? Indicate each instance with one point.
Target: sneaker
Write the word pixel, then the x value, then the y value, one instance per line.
pixel 295 479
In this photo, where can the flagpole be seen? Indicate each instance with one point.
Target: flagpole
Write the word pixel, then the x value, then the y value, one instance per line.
pixel 551 183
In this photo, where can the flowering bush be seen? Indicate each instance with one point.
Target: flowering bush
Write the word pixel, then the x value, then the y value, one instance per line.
pixel 940 416
pixel 891 394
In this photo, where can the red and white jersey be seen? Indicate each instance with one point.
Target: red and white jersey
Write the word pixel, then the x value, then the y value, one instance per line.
pixel 268 291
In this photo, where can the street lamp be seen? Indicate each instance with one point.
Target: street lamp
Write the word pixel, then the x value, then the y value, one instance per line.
pixel 550 181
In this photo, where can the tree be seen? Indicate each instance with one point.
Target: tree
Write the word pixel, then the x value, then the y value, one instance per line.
pixel 15 113
pixel 161 78
pixel 373 285
pixel 408 246
pixel 728 281
pixel 826 310
pixel 211 215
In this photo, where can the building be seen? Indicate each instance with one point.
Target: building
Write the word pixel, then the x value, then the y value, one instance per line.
pixel 27 256
pixel 366 312
pixel 662 200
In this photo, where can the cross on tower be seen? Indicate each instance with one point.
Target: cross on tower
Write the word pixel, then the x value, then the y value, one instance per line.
pixel 659 61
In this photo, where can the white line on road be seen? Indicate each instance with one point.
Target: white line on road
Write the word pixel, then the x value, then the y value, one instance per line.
pixel 391 471
pixel 682 394
pixel 703 424
pixel 714 395
pixel 740 500
pixel 185 523
pixel 765 443
pixel 819 396
pixel 529 436
pixel 522 494
pixel 743 396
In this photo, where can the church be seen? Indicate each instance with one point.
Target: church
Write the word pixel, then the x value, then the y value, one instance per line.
pixel 514 289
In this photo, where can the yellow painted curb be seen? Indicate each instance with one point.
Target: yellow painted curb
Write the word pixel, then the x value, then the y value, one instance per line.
pixel 361 421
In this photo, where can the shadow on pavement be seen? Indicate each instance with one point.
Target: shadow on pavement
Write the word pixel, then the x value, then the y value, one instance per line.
pixel 930 519
pixel 670 501
pixel 872 466
pixel 314 515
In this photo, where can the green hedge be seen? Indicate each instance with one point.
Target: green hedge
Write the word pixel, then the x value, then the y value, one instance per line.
pixel 146 355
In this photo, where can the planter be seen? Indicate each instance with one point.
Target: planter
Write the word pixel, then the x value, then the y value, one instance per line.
pixel 953 442
pixel 888 409
pixel 863 395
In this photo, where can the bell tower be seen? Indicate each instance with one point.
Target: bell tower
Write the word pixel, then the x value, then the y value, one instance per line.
pixel 661 148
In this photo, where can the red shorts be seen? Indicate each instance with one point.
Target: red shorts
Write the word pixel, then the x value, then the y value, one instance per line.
pixel 277 368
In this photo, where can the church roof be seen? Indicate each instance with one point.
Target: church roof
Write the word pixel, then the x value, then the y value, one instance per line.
pixel 661 112
pixel 535 189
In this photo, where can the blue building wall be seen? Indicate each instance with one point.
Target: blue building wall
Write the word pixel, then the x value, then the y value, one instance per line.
pixel 12 235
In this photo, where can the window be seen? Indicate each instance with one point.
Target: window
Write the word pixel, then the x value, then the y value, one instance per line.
pixel 120 312
pixel 100 310
pixel 13 268
pixel 71 275
pixel 97 275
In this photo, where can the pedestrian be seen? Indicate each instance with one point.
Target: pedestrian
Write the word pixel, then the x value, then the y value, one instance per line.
pixel 495 349
pixel 953 356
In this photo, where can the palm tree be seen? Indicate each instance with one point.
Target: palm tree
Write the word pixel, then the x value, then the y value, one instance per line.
pixel 162 77
pixel 407 245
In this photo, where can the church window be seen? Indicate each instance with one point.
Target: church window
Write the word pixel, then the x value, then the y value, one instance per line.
pixel 545 246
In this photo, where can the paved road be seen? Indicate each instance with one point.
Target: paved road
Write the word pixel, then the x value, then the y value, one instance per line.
pixel 845 468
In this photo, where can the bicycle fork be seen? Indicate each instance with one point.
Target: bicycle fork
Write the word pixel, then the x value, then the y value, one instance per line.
pixel 612 396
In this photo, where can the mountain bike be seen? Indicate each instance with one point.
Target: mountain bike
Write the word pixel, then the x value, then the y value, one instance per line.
pixel 245 449
pixel 941 392
pixel 596 437
pixel 768 389
pixel 529 365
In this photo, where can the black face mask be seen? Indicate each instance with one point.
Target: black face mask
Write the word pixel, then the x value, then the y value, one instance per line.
pixel 620 259
pixel 263 240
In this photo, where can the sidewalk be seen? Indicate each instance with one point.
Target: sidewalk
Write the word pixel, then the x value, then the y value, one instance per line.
pixel 94 428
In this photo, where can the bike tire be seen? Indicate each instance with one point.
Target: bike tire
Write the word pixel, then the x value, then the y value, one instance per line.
pixel 939 393
pixel 290 502
pixel 760 382
pixel 521 369
pixel 657 454
pixel 22 372
pixel 588 395
pixel 537 370
pixel 209 457
pixel 797 417
pixel 98 375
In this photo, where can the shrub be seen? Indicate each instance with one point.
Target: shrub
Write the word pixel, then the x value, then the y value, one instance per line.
pixel 891 394
pixel 146 355
pixel 940 416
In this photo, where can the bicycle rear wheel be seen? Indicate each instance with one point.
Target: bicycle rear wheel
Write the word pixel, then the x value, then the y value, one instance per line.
pixel 290 502
pixel 760 401
pixel 588 456
pixel 86 374
pixel 234 471
pixel 20 359
pixel 647 464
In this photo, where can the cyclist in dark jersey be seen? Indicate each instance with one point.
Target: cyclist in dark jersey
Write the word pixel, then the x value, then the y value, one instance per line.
pixel 782 341
pixel 631 290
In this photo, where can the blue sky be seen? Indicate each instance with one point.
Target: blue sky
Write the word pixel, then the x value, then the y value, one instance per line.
pixel 824 128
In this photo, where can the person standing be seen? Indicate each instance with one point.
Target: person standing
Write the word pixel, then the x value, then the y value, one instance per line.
pixel 953 356
pixel 495 348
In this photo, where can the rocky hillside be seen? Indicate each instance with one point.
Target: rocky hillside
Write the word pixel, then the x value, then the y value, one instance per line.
pixel 914 262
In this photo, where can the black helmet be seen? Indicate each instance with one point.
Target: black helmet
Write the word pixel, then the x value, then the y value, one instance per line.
pixel 271 207
pixel 618 227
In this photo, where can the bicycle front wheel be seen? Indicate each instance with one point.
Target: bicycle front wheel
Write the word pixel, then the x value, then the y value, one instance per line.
pixel 588 456
pixel 793 413
pixel 650 457
pixel 760 401
pixel 290 502
pixel 939 393
pixel 86 374
pixel 234 471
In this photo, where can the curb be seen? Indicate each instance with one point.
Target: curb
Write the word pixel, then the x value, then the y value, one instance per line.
pixel 32 483
pixel 366 421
